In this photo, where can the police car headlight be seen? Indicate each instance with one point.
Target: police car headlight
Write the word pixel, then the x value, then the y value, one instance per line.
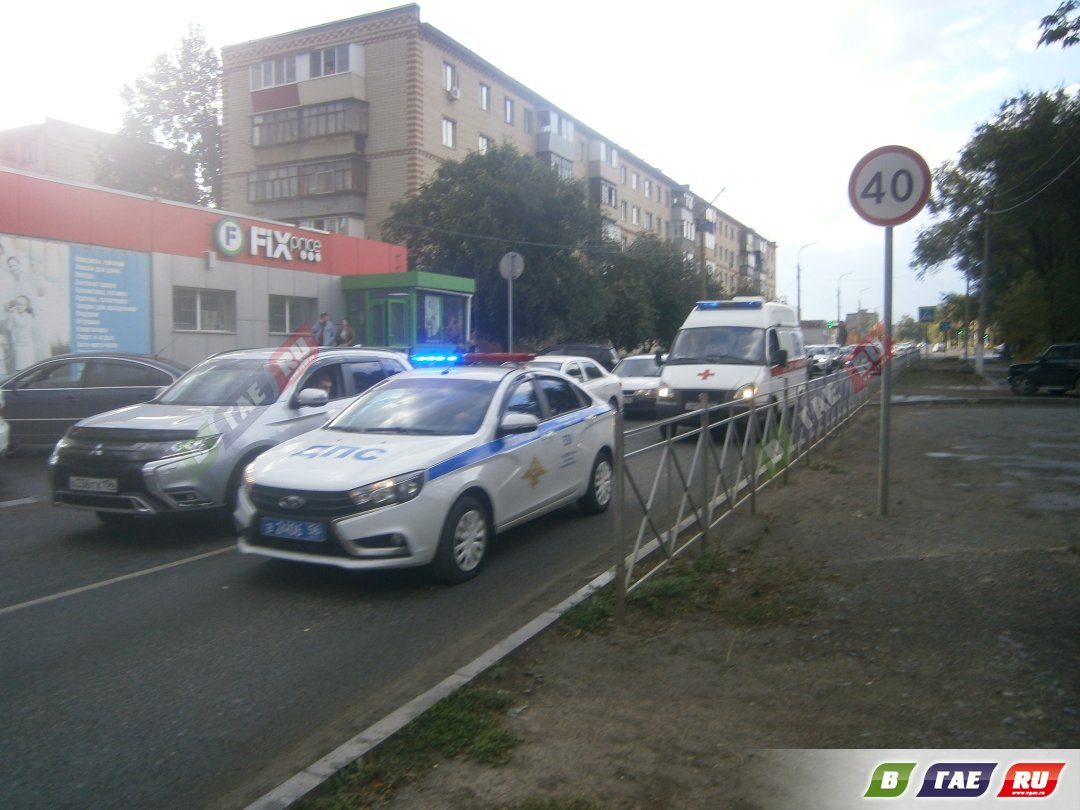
pixel 399 489
pixel 665 392
pixel 745 393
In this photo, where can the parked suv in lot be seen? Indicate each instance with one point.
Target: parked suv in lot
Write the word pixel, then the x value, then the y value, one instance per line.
pixel 1057 367
pixel 185 450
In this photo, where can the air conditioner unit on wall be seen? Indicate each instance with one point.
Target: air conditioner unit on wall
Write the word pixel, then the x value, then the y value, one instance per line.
pixel 453 93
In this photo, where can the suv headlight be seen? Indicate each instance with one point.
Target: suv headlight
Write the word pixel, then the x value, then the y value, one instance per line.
pixel 188 447
pixel 399 489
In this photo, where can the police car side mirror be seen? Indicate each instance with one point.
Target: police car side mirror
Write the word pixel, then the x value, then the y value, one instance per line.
pixel 518 423
pixel 659 359
pixel 311 398
pixel 781 357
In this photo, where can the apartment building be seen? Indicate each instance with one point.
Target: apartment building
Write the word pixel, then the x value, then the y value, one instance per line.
pixel 328 126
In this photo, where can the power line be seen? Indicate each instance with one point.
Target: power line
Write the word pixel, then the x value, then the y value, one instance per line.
pixel 1040 191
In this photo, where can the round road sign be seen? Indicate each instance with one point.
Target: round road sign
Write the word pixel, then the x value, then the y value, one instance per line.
pixel 889 185
pixel 511 265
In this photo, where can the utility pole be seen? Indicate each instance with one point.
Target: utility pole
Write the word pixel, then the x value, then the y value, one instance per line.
pixel 798 282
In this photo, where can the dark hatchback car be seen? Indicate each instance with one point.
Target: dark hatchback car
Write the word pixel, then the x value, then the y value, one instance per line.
pixel 42 401
pixel 1058 367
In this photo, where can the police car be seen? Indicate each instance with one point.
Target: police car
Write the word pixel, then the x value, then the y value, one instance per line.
pixel 426 468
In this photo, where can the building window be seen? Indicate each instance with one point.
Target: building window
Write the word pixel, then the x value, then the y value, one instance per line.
pixel 204 310
pixel 562 167
pixel 634 181
pixel 582 151
pixel 300 123
pixel 622 175
pixel 623 217
pixel 273 72
pixel 508 111
pixel 305 180
pixel 648 221
pixel 648 188
pixel 449 76
pixel 449 133
pixel 330 224
pixel 289 313
pixel 485 144
pixel 635 215
pixel 607 194
pixel 485 97
pixel 527 121
pixel 328 61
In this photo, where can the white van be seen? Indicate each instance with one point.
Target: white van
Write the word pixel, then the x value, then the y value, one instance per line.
pixel 733 351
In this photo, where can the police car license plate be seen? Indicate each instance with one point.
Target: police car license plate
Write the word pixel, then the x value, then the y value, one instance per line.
pixel 81 483
pixel 293 529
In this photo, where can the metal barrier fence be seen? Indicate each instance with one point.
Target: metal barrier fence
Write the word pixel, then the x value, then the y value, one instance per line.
pixel 714 460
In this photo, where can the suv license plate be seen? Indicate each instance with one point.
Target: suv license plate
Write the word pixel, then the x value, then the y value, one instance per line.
pixel 293 529
pixel 84 484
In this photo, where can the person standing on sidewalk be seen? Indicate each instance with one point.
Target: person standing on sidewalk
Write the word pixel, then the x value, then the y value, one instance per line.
pixel 323 331
pixel 346 336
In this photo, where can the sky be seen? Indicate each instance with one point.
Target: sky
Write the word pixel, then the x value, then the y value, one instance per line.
pixel 766 107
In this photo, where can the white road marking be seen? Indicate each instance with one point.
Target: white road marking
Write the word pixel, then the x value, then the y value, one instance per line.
pixel 19 502
pixel 114 580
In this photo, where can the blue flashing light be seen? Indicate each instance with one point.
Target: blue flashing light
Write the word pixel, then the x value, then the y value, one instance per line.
pixel 714 305
pixel 436 359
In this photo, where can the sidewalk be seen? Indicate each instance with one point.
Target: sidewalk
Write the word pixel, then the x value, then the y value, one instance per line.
pixel 950 623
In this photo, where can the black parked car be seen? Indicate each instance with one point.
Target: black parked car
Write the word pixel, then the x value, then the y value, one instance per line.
pixel 604 355
pixel 45 399
pixel 1058 367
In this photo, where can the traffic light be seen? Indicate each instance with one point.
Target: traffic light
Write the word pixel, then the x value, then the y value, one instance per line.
pixel 831 324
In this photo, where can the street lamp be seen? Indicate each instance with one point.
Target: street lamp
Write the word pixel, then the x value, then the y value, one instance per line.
pixel 838 300
pixel 798 282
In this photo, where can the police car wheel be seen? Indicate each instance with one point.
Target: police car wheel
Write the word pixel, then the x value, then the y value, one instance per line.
pixel 464 542
pixel 598 495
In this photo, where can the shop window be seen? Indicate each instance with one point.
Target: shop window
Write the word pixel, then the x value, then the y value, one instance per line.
pixel 289 313
pixel 198 310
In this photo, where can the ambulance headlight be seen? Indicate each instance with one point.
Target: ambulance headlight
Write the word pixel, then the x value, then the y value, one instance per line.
pixel 746 393
pixel 665 392
pixel 399 489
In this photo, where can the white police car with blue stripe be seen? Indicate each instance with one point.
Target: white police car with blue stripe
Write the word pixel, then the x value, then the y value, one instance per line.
pixel 427 467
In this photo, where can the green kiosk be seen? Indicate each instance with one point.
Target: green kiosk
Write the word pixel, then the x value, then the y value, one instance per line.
pixel 414 311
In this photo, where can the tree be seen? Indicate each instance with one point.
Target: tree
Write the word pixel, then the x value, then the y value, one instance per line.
pixel 649 287
pixel 177 108
pixel 1016 188
pixel 1057 27
pixel 473 211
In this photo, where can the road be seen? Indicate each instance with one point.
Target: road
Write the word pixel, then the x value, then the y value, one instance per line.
pixel 154 666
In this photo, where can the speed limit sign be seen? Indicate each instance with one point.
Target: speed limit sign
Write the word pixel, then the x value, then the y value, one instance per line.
pixel 889 185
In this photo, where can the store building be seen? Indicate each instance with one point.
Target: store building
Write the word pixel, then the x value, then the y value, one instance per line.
pixel 83 268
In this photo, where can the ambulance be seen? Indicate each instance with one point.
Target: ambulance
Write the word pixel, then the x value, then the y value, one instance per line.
pixel 737 352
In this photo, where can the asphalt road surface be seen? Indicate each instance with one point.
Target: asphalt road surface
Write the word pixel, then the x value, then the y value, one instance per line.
pixel 155 666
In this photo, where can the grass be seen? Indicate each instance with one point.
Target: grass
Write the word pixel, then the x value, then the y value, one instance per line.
pixel 747 594
pixel 467 724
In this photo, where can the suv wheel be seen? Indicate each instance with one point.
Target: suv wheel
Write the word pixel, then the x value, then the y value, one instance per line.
pixel 1022 384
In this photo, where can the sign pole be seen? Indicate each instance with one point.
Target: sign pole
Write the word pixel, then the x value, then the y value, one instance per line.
pixel 511 265
pixel 886 382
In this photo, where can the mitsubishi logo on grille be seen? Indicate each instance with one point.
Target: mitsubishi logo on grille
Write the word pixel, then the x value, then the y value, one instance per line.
pixel 291 502
pixel 706 374
pixel 97 451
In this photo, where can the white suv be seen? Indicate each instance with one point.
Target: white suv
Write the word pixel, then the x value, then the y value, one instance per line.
pixel 185 450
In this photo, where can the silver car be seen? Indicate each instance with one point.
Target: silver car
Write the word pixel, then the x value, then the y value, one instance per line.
pixel 185 450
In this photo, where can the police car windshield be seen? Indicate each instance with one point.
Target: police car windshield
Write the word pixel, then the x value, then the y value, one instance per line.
pixel 433 406
pixel 225 381
pixel 718 344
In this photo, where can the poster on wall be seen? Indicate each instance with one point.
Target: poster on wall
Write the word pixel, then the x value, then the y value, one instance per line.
pixel 57 297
